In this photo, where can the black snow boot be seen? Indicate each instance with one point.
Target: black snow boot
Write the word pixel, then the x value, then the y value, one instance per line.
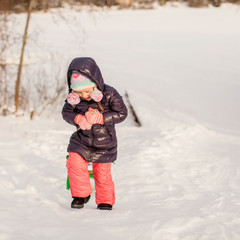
pixel 79 202
pixel 104 206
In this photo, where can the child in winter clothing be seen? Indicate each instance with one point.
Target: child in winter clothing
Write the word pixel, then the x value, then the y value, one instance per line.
pixel 94 108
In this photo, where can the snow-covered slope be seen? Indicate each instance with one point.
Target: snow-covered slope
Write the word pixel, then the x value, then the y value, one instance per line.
pixel 177 177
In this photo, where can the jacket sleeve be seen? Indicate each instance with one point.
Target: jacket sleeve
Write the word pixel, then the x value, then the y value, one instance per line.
pixel 118 110
pixel 69 114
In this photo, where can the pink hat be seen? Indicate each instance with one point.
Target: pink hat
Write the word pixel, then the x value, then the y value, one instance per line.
pixel 80 82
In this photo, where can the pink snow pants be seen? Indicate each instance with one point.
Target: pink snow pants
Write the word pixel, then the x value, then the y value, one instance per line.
pixel 80 182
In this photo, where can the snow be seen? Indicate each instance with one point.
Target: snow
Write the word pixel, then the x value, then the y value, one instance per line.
pixel 177 177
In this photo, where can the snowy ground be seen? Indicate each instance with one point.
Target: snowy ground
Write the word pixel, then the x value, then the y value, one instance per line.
pixel 177 177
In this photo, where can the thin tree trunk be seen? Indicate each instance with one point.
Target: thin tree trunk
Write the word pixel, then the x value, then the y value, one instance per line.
pixel 17 88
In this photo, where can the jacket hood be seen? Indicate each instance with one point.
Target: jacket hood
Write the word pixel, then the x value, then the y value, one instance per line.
pixel 88 67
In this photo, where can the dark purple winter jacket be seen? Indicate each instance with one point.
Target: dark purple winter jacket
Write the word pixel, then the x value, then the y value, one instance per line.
pixel 99 144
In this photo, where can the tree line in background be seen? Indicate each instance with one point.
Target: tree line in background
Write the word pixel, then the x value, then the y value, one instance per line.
pixel 17 96
pixel 21 5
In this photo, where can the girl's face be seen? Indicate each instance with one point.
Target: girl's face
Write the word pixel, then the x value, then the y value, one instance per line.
pixel 85 94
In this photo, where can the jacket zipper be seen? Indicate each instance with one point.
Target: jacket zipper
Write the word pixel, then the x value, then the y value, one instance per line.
pixel 92 148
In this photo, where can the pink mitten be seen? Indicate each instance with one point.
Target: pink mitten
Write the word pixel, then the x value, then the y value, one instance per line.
pixel 94 116
pixel 96 95
pixel 82 122
pixel 73 99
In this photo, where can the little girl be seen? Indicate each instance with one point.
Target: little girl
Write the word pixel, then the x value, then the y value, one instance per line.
pixel 94 108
